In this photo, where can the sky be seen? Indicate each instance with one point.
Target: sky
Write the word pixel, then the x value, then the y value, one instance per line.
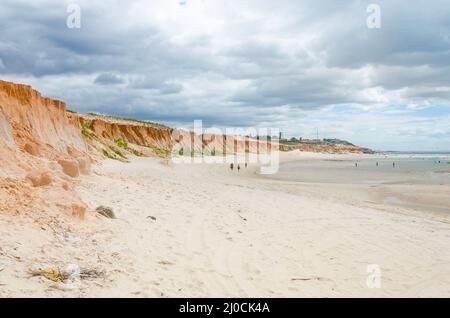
pixel 301 66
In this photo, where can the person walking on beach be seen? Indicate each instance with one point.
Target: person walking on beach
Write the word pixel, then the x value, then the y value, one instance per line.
pixel 356 164
pixel 377 163
pixel 245 165
pixel 239 167
pixel 393 165
pixel 231 167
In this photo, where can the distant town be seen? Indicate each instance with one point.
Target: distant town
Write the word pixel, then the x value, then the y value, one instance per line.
pixel 306 141
pixel 324 141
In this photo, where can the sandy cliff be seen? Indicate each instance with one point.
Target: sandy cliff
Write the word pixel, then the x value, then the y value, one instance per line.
pixel 101 131
pixel 44 147
pixel 41 151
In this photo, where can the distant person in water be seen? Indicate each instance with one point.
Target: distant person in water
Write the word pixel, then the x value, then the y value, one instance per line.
pixel 231 167
pixel 356 164
pixel 393 165
pixel 377 163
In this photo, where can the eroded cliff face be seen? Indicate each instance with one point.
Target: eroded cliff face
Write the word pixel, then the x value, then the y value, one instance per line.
pixel 41 150
pixel 44 148
pixel 38 120
pixel 117 139
pixel 218 144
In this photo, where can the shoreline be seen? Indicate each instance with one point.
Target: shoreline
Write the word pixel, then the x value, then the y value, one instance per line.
pixel 425 197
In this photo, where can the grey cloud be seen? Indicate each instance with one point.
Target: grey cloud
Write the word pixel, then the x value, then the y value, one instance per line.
pixel 265 62
pixel 157 83
pixel 170 88
pixel 108 79
pixel 411 34
pixel 396 77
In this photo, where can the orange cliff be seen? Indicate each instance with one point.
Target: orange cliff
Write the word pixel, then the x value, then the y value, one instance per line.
pixel 41 151
pixel 35 127
pixel 39 127
pixel 44 148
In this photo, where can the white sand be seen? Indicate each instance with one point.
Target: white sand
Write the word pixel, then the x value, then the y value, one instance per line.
pixel 220 234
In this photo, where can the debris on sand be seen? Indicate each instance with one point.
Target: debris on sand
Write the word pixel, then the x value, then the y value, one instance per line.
pixel 91 273
pixel 106 212
pixel 52 274
pixel 151 217
pixel 70 273
pixel 308 279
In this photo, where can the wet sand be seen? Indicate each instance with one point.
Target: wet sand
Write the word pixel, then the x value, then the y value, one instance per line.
pixel 414 182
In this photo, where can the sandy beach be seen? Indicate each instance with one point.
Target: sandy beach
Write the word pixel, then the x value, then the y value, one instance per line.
pixel 184 230
pixel 198 149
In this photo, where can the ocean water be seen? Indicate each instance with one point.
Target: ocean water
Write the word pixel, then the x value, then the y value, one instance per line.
pixel 422 168
pixel 387 177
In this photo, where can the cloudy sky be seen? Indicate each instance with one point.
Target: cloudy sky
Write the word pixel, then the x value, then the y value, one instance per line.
pixel 297 65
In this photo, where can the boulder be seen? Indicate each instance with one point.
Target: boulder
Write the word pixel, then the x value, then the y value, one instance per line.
pixel 32 149
pixel 70 167
pixel 106 212
pixel 78 210
pixel 39 179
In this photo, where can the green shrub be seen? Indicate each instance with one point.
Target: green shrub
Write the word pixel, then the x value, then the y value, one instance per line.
pixel 122 143
pixel 143 122
pixel 117 152
pixel 88 125
pixel 88 133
